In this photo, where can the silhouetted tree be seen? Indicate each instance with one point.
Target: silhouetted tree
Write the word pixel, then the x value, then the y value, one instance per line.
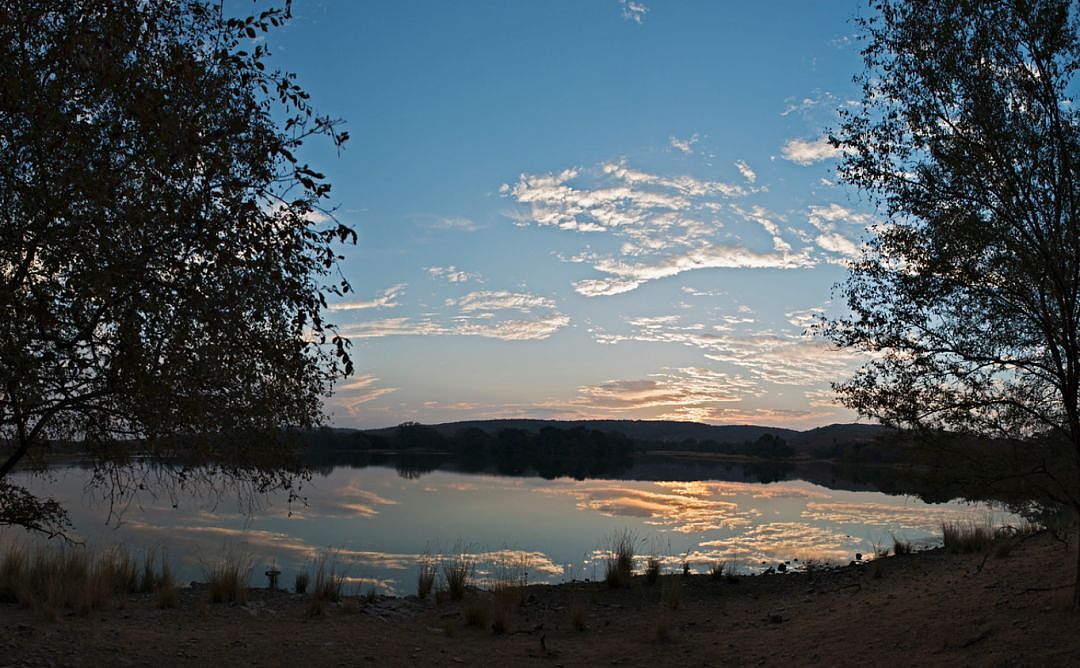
pixel 163 251
pixel 969 295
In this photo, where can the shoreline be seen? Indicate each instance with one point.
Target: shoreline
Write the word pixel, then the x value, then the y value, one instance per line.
pixel 927 608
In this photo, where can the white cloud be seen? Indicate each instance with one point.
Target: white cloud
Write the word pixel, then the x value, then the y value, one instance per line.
pixel 684 145
pixel 452 274
pixel 806 318
pixel 763 217
pixel 384 299
pixel 825 218
pixel 626 276
pixel 479 313
pixel 804 152
pixel 486 300
pixel 461 224
pixel 745 170
pixel 666 225
pixel 633 11
pixel 781 358
pixel 359 390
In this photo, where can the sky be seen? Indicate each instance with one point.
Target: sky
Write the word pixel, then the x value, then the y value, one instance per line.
pixel 586 208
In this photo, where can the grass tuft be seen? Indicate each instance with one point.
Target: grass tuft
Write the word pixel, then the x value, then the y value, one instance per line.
pixel 652 569
pixel 901 546
pixel 301 582
pixel 620 559
pixel 227 577
pixel 457 572
pixel 425 578
pixel 966 537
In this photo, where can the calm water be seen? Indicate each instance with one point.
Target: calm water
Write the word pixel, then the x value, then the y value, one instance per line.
pixel 377 523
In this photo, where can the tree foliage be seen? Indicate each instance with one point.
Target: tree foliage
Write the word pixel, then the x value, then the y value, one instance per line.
pixel 164 253
pixel 967 296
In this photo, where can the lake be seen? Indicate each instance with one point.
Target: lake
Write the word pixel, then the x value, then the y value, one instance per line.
pixel 377 522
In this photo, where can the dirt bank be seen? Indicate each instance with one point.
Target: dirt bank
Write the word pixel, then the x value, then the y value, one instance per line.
pixel 923 609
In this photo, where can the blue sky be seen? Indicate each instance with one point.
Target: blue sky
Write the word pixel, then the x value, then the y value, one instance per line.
pixel 587 208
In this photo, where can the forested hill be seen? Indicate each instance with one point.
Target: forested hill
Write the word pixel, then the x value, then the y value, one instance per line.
pixel 673 432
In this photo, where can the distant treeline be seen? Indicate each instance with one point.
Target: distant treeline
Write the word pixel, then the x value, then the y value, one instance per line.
pixel 549 452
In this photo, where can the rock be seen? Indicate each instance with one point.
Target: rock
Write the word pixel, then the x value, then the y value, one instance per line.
pixel 781 567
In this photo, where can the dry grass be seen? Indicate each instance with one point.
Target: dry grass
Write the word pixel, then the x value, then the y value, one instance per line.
pixel 476 611
pixel 328 584
pixel 457 573
pixel 652 569
pixel 619 567
pixel 717 570
pixel 967 537
pixel 901 546
pixel 425 578
pixel 50 579
pixel 227 576
pixel 301 582
pixel 167 592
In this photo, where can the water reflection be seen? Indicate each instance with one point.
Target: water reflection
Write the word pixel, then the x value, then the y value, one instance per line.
pixel 378 524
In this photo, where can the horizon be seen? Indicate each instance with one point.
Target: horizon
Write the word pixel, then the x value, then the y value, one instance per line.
pixel 608 210
pixel 571 420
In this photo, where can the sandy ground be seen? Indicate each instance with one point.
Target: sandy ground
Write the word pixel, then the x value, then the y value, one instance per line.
pixel 924 609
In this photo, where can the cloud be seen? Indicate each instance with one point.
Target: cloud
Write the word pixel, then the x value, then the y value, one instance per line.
pixel 481 313
pixel 460 224
pixel 776 357
pixel 633 11
pixel 825 218
pixel 452 274
pixel 486 300
pixel 672 509
pixel 689 386
pixel 684 145
pixel 349 396
pixel 626 276
pixel 806 318
pixel 664 225
pixel 763 217
pixel 384 299
pixel 804 152
pixel 745 170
